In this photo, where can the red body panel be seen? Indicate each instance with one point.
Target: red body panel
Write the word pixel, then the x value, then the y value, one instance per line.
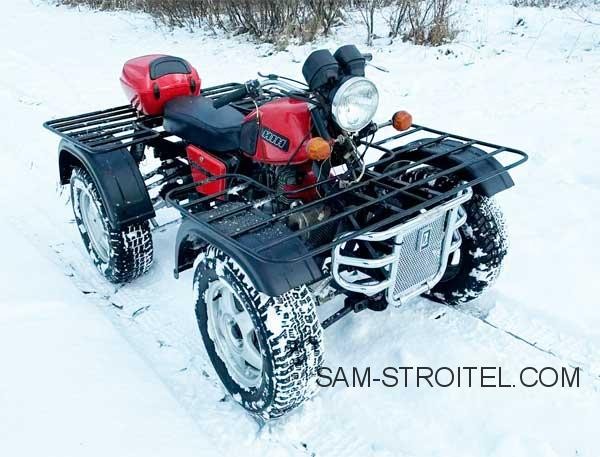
pixel 282 119
pixel 199 160
pixel 307 179
pixel 149 96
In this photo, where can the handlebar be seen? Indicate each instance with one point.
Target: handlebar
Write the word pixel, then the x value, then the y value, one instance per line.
pixel 253 88
pixel 226 99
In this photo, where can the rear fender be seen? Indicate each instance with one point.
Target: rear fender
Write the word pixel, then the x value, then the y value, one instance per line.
pixel 117 178
pixel 473 171
pixel 270 278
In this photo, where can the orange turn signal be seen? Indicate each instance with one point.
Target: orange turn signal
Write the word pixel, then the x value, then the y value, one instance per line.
pixel 318 149
pixel 402 120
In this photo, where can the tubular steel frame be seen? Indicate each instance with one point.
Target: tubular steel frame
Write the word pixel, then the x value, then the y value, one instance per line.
pixel 179 198
pixel 122 126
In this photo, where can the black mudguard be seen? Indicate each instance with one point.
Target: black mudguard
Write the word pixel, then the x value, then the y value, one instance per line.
pixel 271 278
pixel 117 178
pixel 476 170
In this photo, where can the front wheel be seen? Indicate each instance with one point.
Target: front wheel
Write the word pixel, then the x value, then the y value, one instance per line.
pixel 120 255
pixel 266 350
pixel 475 266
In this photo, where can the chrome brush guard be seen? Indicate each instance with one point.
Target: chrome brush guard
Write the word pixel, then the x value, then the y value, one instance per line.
pixel 421 248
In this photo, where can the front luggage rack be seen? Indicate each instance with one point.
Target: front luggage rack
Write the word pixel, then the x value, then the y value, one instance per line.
pixel 229 219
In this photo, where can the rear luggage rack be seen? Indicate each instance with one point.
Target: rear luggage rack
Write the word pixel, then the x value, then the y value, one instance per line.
pixel 119 127
pixel 213 211
pixel 106 130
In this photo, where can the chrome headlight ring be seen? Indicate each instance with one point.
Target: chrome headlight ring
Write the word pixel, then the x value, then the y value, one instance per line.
pixel 355 103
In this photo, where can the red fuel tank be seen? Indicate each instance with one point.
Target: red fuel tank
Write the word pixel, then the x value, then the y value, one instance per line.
pixel 285 127
pixel 151 81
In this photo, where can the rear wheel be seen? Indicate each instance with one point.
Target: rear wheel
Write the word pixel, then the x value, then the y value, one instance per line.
pixel 120 255
pixel 266 350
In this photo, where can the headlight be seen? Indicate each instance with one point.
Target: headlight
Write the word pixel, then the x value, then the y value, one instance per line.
pixel 355 103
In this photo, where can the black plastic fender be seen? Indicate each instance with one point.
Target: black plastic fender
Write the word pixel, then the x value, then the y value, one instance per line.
pixel 117 177
pixel 270 278
pixel 475 170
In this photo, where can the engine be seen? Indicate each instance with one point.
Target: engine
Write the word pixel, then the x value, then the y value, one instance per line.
pixel 291 183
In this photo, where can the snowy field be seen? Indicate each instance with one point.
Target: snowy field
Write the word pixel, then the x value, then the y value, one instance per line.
pixel 90 369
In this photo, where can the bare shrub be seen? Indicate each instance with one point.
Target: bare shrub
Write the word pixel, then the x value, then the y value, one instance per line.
pixel 265 19
pixel 101 4
pixel 425 22
pixel 396 18
pixel 367 9
pixel 543 3
pixel 560 4
pixel 277 21
pixel 326 12
pixel 429 22
pixel 178 13
pixel 270 20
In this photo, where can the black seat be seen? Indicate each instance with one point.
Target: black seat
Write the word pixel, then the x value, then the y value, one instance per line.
pixel 196 120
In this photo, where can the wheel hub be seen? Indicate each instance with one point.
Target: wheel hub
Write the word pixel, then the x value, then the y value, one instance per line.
pixel 234 335
pixel 94 225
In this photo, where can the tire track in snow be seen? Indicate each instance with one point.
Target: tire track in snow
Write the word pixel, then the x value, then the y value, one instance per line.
pixel 510 342
pixel 184 341
pixel 189 381
pixel 502 314
pixel 167 339
pixel 453 326
pixel 134 311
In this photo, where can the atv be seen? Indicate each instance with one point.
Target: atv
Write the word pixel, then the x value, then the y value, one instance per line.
pixel 290 196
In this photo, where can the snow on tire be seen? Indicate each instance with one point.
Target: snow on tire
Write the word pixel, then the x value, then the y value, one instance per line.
pixel 120 255
pixel 286 334
pixel 484 246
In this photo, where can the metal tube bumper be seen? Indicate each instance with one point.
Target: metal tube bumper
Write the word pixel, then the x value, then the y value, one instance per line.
pixel 450 214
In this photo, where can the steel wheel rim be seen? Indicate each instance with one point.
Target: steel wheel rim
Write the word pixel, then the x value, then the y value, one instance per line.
pixel 94 225
pixel 233 334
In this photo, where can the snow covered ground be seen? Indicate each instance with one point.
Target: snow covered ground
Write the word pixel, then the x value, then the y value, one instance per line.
pixel 91 369
pixel 71 384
